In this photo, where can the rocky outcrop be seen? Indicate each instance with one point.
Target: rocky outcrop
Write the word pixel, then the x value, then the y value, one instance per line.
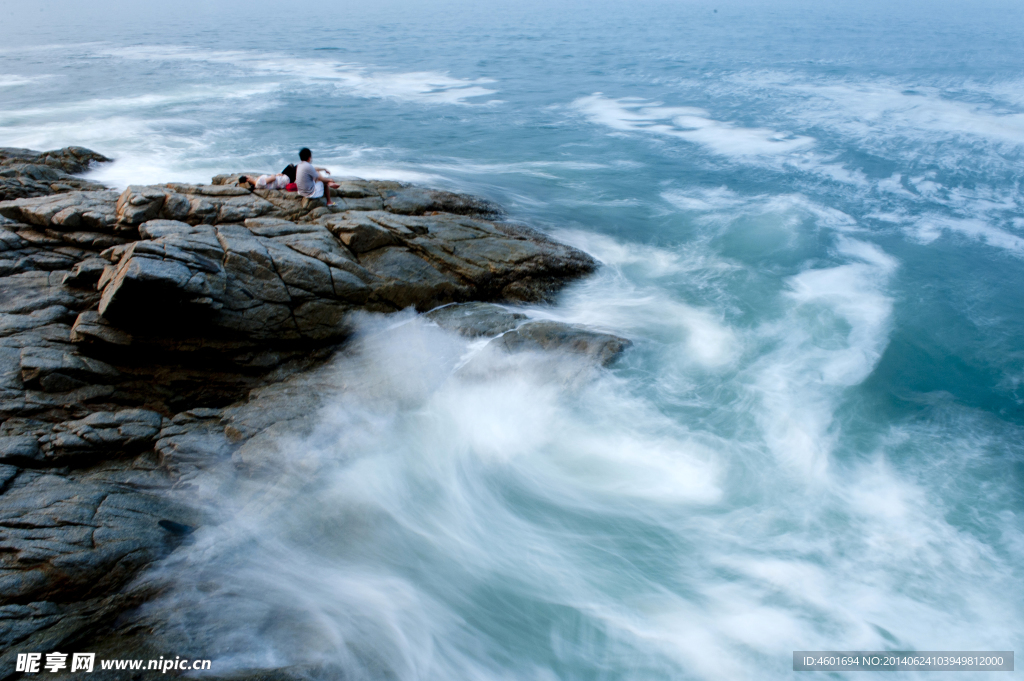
pixel 225 256
pixel 25 173
pixel 153 336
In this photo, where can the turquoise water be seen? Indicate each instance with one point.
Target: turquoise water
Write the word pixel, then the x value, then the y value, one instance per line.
pixel 810 219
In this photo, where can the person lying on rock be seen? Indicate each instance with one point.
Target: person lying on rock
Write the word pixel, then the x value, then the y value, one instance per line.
pixel 278 181
pixel 311 183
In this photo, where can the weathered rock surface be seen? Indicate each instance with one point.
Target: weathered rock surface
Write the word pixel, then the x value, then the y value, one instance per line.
pixel 25 173
pixel 277 268
pixel 515 334
pixel 476 319
pixel 152 337
pixel 544 335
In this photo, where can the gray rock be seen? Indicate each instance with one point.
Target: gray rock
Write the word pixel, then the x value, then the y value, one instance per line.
pixel 194 204
pixel 34 236
pixel 85 274
pixel 368 203
pixel 193 446
pixel 7 473
pixel 491 260
pixel 232 178
pixel 68 159
pixel 281 409
pixel 76 536
pixel 137 204
pixel 93 210
pixel 602 348
pixel 15 323
pixel 26 174
pixel 35 259
pixel 32 171
pixel 52 626
pixel 94 241
pixel 475 319
pixel 109 434
pixel 91 327
pixel 420 201
pixel 258 286
pixel 207 189
pixel 17 622
pixel 56 368
pixel 407 280
pixel 9 238
pixel 19 448
pixel 277 227
pixel 275 279
pixel 28 292
pixel 356 189
pixel 359 233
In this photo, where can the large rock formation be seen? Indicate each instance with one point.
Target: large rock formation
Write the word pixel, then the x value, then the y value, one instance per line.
pixel 152 335
pixel 25 173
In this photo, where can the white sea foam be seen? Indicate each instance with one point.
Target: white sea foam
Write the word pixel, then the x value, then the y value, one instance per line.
pixel 765 147
pixel 196 95
pixel 928 228
pixel 873 108
pixel 690 124
pixel 152 137
pixel 835 328
pixel 909 121
pixel 828 325
pixel 544 169
pixel 7 81
pixel 629 297
pixel 721 204
pixel 352 79
pixel 342 166
pixel 61 47
pixel 525 492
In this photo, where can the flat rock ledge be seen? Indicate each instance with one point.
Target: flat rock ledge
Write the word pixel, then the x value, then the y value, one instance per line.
pixel 151 336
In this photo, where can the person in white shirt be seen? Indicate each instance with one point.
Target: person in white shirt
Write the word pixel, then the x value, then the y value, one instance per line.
pixel 279 181
pixel 310 182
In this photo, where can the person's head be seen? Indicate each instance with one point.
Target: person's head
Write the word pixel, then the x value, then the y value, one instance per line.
pixel 305 154
pixel 242 179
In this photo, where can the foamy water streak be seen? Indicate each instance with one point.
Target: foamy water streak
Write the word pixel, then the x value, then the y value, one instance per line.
pixel 458 515
pixel 690 124
pixel 353 79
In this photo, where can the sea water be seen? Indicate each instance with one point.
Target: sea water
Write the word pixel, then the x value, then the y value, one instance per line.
pixel 809 221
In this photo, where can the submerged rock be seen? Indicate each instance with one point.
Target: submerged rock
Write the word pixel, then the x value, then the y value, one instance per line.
pixel 602 348
pixel 515 334
pixel 476 319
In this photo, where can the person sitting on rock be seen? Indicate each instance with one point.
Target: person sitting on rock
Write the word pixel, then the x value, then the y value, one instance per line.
pixel 311 183
pixel 278 181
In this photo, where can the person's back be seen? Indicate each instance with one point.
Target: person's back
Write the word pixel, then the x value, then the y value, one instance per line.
pixel 305 178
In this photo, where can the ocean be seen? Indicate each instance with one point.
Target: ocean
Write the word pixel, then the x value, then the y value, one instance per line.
pixel 810 222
